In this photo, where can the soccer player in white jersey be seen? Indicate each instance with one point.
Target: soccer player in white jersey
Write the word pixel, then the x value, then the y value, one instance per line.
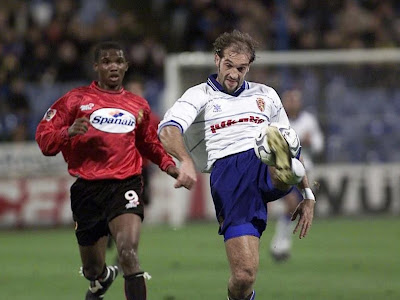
pixel 217 121
pixel 312 142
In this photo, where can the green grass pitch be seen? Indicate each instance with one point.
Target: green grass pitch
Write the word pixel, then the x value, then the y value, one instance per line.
pixel 340 259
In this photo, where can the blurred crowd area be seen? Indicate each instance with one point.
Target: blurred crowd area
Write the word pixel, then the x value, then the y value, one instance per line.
pixel 46 46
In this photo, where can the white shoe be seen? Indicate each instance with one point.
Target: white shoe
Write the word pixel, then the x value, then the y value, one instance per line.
pixel 281 243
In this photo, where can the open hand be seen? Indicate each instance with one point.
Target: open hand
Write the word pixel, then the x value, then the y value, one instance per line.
pixel 305 210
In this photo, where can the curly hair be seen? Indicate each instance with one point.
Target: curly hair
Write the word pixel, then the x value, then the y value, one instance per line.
pixel 241 43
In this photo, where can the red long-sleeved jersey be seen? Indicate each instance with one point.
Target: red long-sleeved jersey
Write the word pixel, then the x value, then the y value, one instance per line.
pixel 119 134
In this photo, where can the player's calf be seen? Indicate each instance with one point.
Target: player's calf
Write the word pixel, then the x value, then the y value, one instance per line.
pixel 135 286
pixel 281 242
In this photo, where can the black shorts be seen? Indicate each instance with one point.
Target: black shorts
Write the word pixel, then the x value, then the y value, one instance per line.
pixel 95 203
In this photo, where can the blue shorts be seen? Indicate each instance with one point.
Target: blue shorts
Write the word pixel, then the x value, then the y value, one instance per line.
pixel 241 187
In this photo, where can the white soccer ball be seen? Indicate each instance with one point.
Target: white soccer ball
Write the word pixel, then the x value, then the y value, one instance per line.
pixel 290 137
pixel 261 147
pixel 267 156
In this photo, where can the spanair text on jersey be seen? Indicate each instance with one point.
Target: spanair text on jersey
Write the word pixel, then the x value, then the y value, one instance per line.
pixel 216 124
pixel 119 134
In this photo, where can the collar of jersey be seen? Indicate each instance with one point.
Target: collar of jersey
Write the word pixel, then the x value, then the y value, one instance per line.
pixel 216 86
pixel 95 86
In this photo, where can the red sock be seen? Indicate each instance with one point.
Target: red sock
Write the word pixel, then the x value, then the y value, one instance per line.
pixel 135 287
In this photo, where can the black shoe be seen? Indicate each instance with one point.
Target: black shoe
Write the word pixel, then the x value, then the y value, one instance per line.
pixel 97 289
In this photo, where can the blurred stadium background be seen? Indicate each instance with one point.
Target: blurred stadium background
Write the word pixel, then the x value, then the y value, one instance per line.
pixel 343 54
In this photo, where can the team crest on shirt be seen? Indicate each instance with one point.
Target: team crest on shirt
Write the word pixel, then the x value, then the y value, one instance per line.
pixel 260 104
pixel 50 113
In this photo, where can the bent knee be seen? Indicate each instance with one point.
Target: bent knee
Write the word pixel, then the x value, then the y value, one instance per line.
pixel 128 255
pixel 244 279
pixel 92 272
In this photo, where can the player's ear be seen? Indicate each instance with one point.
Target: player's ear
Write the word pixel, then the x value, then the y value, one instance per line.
pixel 95 67
pixel 217 59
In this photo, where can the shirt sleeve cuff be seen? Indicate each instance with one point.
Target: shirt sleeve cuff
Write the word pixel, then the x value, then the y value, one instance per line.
pixel 165 165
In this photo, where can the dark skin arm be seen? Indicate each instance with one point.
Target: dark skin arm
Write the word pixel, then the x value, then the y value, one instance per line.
pixel 172 141
pixel 173 171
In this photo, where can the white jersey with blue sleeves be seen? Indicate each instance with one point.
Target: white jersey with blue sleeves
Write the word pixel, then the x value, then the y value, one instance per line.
pixel 216 124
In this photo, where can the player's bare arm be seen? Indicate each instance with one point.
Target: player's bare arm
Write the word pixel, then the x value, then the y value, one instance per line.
pixel 305 210
pixel 80 126
pixel 172 141
pixel 173 171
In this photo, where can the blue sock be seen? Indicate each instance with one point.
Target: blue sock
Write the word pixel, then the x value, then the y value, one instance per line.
pixel 252 296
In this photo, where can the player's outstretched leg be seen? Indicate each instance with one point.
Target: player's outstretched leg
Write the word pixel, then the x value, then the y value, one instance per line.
pixel 289 170
pixel 99 287
pixel 281 242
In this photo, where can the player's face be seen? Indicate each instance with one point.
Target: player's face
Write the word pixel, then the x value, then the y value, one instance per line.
pixel 232 69
pixel 111 68
pixel 291 101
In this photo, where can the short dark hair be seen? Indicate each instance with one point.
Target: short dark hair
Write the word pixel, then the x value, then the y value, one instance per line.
pixel 106 46
pixel 242 42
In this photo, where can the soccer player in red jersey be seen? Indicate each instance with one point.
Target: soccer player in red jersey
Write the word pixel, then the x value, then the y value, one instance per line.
pixel 103 131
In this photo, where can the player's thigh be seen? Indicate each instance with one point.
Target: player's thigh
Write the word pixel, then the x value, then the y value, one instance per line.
pixel 94 255
pixel 243 253
pixel 125 229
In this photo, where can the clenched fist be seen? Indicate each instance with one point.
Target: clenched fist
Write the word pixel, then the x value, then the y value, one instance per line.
pixel 80 126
